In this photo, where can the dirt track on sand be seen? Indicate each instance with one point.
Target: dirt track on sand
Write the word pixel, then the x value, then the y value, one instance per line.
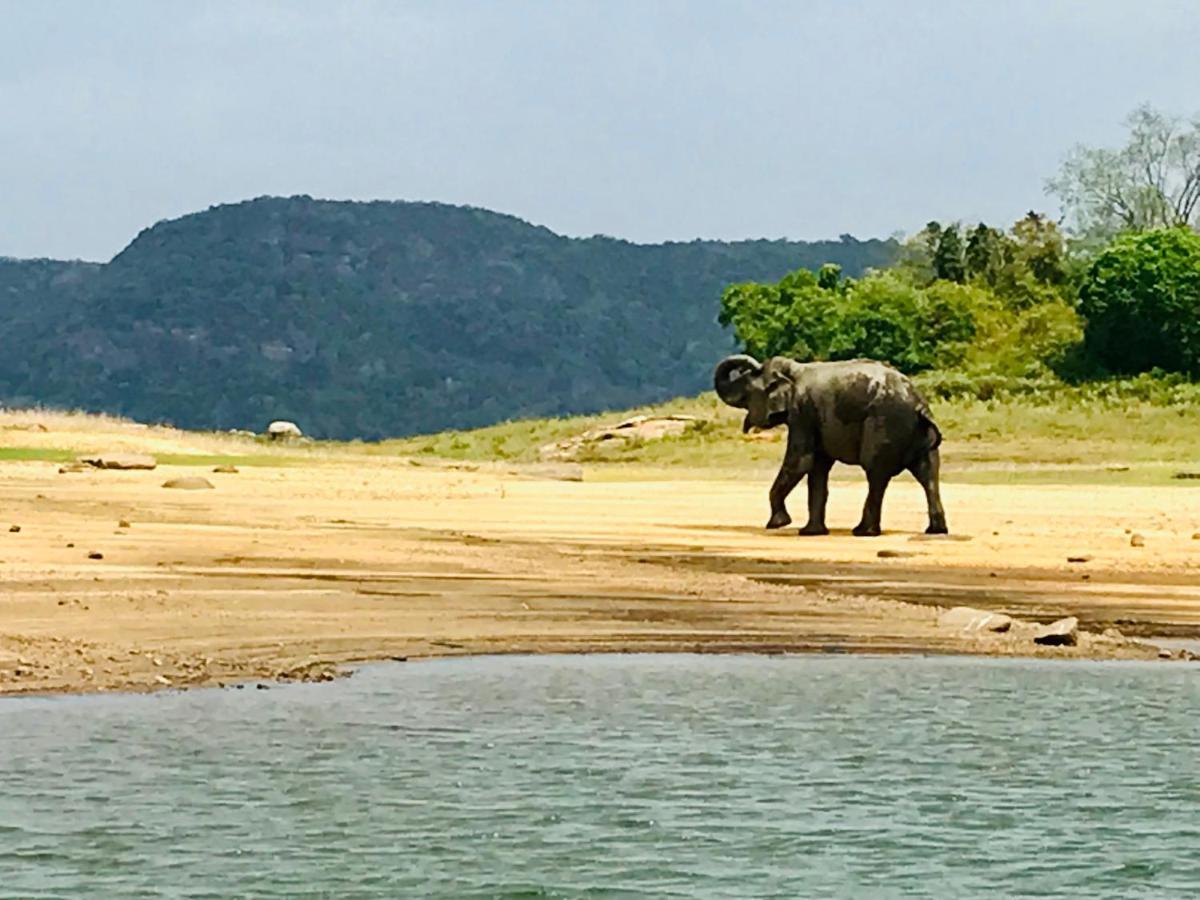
pixel 282 573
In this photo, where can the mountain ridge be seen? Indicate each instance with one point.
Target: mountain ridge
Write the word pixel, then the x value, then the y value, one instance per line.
pixel 376 318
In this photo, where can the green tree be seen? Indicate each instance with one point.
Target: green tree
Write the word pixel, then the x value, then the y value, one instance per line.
pixel 1141 300
pixel 984 253
pixel 948 262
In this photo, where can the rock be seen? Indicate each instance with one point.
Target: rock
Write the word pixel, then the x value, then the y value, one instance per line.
pixel 635 430
pixel 120 461
pixel 1196 535
pixel 554 471
pixel 1113 634
pixel 226 470
pixel 1164 653
pixel 1079 559
pixel 95 554
pixel 1186 475
pixel 162 679
pixel 188 483
pixel 14 529
pixel 1063 633
pixel 895 554
pixel 124 523
pixel 966 618
pixel 1136 540
pixel 241 432
pixel 282 430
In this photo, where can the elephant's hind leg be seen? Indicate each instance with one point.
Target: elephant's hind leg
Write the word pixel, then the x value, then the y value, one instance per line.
pixel 871 524
pixel 818 496
pixel 926 470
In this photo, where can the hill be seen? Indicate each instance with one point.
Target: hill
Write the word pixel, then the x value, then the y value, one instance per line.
pixel 376 319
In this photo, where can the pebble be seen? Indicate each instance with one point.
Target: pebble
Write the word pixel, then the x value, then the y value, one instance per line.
pixel 14 529
pixel 95 555
pixel 1137 540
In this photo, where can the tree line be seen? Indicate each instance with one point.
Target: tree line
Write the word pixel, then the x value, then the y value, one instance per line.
pixel 1111 289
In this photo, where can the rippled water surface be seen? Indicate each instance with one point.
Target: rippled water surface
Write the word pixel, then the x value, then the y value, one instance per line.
pixel 683 776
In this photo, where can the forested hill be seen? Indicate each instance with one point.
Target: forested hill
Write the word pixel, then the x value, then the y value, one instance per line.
pixel 376 319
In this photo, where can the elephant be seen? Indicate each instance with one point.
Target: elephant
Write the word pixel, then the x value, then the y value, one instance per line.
pixel 860 412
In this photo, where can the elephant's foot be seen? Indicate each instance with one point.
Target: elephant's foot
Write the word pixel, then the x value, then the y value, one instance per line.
pixel 813 529
pixel 779 519
pixel 937 528
pixel 864 529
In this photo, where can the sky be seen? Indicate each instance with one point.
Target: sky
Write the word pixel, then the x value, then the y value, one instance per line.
pixel 648 120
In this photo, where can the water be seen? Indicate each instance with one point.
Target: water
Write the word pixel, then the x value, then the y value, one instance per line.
pixel 619 776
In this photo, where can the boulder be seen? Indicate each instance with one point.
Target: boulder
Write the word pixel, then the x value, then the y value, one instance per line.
pixel 636 429
pixel 969 619
pixel 120 461
pixel 281 430
pixel 553 471
pixel 1063 633
pixel 188 483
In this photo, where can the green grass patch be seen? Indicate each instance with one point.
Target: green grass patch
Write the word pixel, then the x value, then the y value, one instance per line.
pixel 37 454
pixel 1077 429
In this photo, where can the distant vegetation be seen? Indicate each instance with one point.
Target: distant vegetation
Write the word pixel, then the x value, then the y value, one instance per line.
pixel 370 320
pixel 377 319
pixel 1019 312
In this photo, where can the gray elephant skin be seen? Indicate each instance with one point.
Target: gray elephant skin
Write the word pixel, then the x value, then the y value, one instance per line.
pixel 859 412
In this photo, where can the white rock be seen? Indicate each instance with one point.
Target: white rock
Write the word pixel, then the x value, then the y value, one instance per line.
pixel 1064 632
pixel 281 430
pixel 968 619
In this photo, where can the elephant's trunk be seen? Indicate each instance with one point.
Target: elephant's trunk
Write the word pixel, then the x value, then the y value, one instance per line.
pixel 731 376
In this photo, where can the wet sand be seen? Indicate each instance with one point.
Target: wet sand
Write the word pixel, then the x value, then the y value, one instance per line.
pixel 297 572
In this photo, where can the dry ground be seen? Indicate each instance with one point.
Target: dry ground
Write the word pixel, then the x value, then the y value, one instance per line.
pixel 292 571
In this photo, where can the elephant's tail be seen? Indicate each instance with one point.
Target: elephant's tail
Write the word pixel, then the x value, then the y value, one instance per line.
pixel 933 434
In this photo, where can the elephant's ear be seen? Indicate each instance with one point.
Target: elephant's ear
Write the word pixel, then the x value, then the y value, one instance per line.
pixel 732 378
pixel 781 394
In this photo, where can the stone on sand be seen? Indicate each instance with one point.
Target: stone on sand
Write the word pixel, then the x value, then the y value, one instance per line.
pixel 282 430
pixel 969 619
pixel 120 461
pixel 188 483
pixel 1062 633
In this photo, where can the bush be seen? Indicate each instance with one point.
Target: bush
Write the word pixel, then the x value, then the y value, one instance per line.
pixel 1141 300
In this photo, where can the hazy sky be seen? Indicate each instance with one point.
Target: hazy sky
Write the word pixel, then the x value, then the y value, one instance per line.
pixel 648 120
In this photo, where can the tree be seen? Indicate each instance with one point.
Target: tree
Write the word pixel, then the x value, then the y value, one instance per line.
pixel 1151 182
pixel 1141 300
pixel 984 253
pixel 882 316
pixel 948 255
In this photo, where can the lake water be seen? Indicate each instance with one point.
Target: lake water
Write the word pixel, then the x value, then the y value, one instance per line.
pixel 622 776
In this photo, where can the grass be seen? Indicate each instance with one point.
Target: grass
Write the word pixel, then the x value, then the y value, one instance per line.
pixel 65 455
pixel 1074 434
pixel 1068 435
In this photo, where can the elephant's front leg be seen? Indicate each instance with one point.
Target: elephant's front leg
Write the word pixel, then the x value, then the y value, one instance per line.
pixel 795 467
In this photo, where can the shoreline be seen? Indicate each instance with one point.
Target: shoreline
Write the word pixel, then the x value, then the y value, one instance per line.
pixel 282 574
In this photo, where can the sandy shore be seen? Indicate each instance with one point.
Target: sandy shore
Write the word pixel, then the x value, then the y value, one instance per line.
pixel 294 572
